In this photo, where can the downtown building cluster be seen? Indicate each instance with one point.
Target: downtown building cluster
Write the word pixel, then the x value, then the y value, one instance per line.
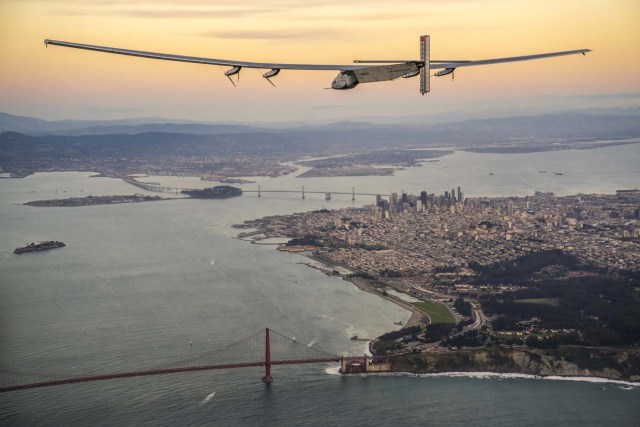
pixel 429 236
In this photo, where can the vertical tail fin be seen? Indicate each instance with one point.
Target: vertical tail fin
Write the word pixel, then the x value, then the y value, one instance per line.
pixel 425 71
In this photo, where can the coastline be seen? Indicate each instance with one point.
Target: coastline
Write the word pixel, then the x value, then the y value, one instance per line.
pixel 565 362
pixel 501 376
pixel 501 363
pixel 504 375
pixel 416 315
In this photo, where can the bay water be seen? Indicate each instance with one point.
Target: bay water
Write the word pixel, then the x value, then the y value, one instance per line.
pixel 138 283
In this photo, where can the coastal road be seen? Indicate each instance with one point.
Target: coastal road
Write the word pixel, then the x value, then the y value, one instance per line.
pixel 479 318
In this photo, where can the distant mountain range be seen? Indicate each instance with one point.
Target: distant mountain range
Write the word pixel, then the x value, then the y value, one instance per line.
pixel 560 126
pixel 34 126
pixel 32 144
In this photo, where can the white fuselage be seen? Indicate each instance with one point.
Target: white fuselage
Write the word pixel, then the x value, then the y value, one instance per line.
pixel 345 80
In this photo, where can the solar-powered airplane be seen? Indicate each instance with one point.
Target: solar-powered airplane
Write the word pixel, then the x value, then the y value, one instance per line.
pixel 349 76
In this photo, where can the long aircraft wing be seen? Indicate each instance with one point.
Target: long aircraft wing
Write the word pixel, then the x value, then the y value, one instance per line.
pixel 318 67
pixel 503 60
pixel 208 61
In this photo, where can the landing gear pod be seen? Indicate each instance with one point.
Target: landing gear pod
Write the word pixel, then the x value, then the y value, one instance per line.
pixel 345 80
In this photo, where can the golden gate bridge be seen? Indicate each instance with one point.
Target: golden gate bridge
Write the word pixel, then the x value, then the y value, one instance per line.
pixel 265 348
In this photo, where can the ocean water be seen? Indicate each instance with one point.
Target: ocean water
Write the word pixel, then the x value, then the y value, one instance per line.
pixel 137 283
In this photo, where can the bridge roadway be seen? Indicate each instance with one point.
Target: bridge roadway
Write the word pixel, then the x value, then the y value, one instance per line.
pixel 350 193
pixel 296 358
pixel 164 371
pixel 162 188
pixel 151 372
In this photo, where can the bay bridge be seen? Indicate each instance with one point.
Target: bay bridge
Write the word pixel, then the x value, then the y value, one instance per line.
pixel 156 187
pixel 303 193
pixel 265 348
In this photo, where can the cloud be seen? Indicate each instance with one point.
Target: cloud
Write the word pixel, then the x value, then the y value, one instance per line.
pixel 324 35
pixel 166 13
pixel 360 17
pixel 205 9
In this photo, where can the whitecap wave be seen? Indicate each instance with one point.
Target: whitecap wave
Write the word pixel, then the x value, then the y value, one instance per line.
pixel 494 375
pixel 623 385
pixel 333 370
pixel 367 350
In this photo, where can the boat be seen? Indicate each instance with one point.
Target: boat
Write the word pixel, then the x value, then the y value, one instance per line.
pixel 399 322
pixel 354 338
pixel 558 173
pixel 40 246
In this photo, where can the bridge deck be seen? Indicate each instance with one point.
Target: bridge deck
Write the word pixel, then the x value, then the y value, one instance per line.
pixel 150 372
pixel 296 353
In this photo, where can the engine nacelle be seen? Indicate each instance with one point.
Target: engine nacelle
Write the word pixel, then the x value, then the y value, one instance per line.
pixel 411 74
pixel 345 80
pixel 444 72
pixel 272 73
pixel 232 71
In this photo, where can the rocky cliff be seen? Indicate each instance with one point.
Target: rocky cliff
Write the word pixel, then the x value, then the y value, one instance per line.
pixel 608 363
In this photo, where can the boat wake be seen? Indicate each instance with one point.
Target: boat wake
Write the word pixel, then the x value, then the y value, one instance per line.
pixel 209 397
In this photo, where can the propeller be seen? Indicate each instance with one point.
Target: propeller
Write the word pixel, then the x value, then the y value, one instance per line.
pixel 268 75
pixel 272 73
pixel 231 71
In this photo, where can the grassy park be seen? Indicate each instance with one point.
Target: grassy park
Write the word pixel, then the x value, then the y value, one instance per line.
pixel 439 313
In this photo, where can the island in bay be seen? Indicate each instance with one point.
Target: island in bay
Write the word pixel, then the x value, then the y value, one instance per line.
pixel 539 285
pixel 218 192
pixel 95 200
pixel 38 247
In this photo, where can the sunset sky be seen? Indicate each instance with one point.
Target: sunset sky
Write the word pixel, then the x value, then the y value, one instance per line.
pixel 60 83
